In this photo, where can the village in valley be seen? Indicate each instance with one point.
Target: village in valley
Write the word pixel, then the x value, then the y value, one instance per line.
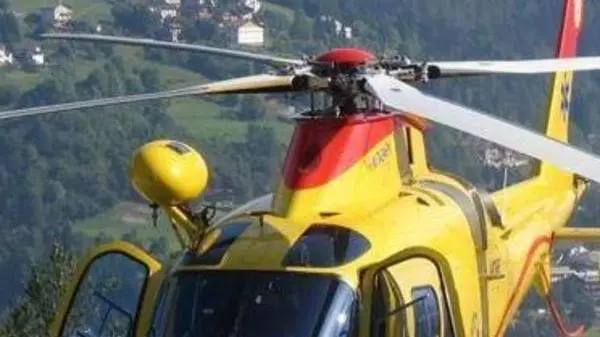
pixel 244 25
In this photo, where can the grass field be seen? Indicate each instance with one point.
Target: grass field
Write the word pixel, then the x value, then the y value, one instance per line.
pixel 593 333
pixel 128 217
pixel 89 10
pixel 125 218
pixel 201 116
pixel 286 12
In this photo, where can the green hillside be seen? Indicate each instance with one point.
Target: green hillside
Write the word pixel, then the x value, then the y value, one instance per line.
pixel 65 175
pixel 87 10
pixel 201 117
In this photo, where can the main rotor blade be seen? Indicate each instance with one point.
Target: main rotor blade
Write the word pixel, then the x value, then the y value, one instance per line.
pixel 250 84
pixel 399 96
pixel 270 59
pixel 539 66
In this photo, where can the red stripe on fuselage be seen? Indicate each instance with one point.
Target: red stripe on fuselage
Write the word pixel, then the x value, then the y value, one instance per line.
pixel 324 148
pixel 518 287
pixel 569 35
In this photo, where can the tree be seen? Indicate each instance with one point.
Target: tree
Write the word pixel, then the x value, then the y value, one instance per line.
pixel 293 4
pixel 576 296
pixel 136 18
pixel 9 27
pixel 36 311
pixel 8 94
pixel 324 29
pixel 263 155
pixel 276 22
pixel 5 5
pixel 301 28
pixel 251 109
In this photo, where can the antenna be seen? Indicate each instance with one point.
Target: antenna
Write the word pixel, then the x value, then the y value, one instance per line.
pixel 505 159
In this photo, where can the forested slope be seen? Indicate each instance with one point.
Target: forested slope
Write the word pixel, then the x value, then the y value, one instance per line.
pixel 58 170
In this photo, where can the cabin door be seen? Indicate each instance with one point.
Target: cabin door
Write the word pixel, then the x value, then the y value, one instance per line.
pixel 112 293
pixel 409 300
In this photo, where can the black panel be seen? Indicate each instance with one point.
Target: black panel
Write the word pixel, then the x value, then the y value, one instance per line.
pixel 214 254
pixel 325 245
pixel 178 147
pixel 256 304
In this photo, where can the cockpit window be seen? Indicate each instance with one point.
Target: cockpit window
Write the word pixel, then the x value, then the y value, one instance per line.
pixel 255 304
pixel 214 254
pixel 324 245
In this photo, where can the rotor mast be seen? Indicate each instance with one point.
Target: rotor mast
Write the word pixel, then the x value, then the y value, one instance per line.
pixel 353 156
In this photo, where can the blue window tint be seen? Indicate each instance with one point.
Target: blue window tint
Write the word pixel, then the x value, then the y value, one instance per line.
pixel 427 312
pixel 159 311
pixel 214 254
pixel 257 304
pixel 325 245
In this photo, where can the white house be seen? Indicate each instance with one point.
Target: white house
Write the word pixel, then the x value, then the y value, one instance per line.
pixel 340 29
pixel 212 3
pixel 37 56
pixel 32 55
pixel 253 5
pixel 197 5
pixel 175 31
pixel 169 12
pixel 6 57
pixel 62 14
pixel 175 3
pixel 251 33
pixel 348 32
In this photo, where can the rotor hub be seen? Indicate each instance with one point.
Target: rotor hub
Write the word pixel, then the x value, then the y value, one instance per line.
pixel 336 72
pixel 346 57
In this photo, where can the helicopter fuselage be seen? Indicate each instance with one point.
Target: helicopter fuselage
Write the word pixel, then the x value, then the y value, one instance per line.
pixel 357 202
pixel 361 237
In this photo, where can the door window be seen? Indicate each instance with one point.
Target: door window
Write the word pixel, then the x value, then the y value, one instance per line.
pixel 420 306
pixel 379 308
pixel 387 314
pixel 427 314
pixel 111 286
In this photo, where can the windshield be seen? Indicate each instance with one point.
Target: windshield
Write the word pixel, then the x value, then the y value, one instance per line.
pixel 253 304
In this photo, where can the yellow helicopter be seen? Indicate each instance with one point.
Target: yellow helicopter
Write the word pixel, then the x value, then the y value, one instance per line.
pixel 361 236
